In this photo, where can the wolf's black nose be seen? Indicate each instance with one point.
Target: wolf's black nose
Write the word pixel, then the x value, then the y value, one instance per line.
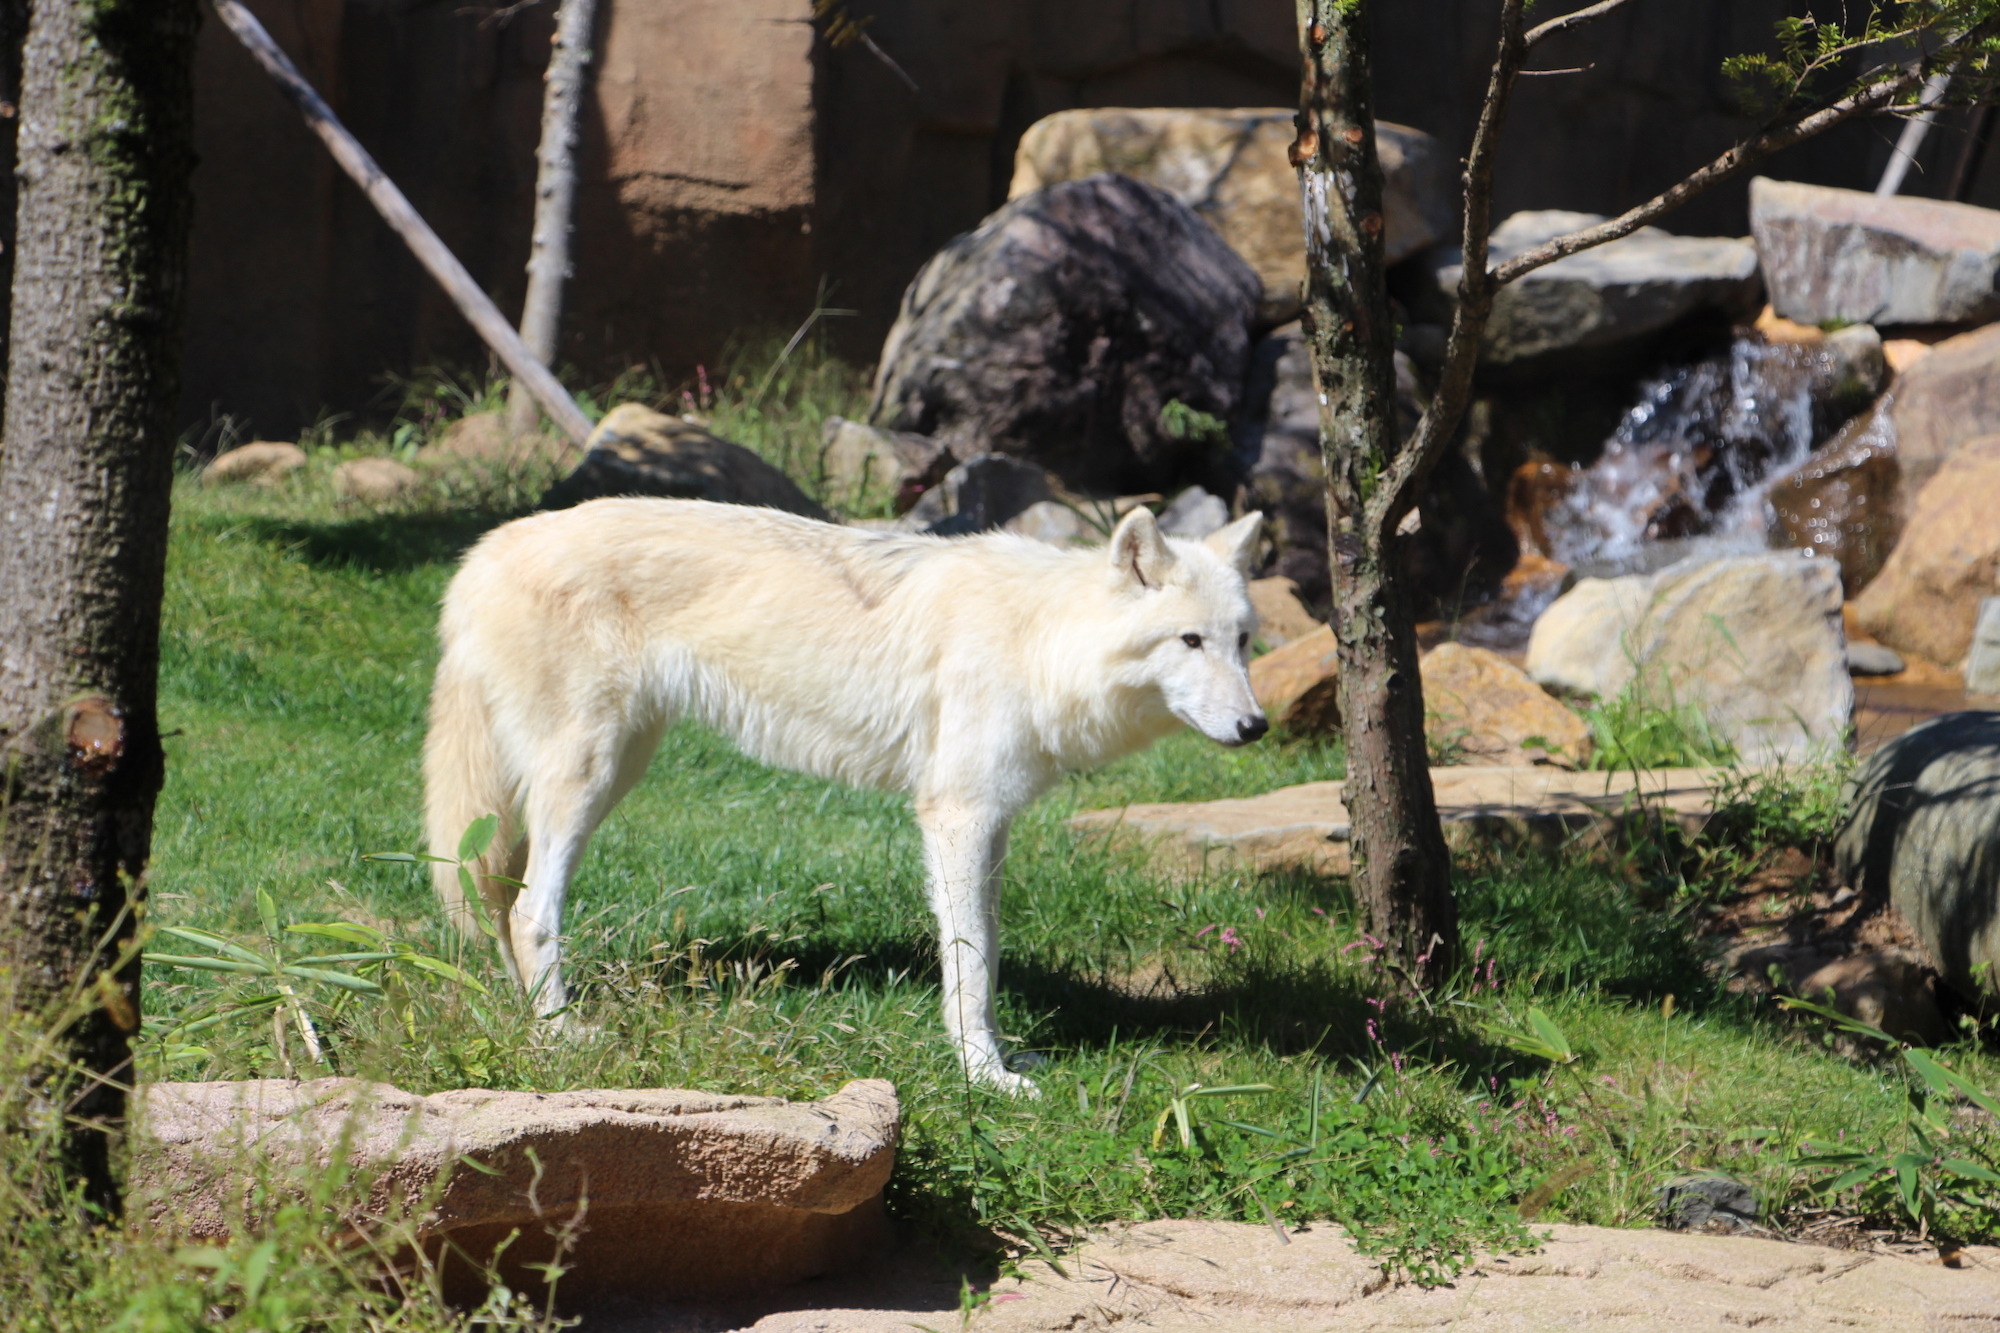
pixel 1250 728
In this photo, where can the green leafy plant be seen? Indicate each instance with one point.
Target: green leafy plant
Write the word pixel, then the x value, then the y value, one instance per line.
pixel 1945 1179
pixel 1180 421
pixel 1637 729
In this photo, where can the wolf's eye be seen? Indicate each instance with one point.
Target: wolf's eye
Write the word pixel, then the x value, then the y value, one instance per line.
pixel 1191 640
pixel 1242 642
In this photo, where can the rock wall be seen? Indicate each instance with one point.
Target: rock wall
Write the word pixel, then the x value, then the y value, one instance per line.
pixel 732 158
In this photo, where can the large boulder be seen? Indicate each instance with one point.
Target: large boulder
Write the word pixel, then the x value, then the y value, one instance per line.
pixel 1926 599
pixel 1608 302
pixel 1232 167
pixel 637 451
pixel 1754 643
pixel 984 492
pixel 1062 327
pixel 1846 254
pixel 1923 832
pixel 681 1193
pixel 1944 399
pixel 1842 503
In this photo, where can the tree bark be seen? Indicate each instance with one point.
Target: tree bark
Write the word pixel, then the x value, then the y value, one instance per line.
pixel 1402 869
pixel 105 156
pixel 555 200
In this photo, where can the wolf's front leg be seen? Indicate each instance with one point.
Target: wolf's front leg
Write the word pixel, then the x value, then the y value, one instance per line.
pixel 963 849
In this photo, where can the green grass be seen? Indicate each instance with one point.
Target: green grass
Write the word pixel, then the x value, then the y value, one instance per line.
pixel 740 929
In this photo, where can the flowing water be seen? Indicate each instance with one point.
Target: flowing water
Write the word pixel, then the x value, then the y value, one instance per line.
pixel 1687 469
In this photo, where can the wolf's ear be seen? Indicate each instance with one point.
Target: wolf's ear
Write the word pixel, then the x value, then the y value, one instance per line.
pixel 1138 551
pixel 1237 543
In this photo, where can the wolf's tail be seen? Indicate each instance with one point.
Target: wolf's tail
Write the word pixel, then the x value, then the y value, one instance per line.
pixel 464 782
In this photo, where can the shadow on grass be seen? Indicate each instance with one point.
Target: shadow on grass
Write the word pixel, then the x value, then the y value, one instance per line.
pixel 382 543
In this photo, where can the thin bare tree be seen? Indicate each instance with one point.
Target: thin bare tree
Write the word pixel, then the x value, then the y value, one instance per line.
pixel 106 152
pixel 555 201
pixel 1402 870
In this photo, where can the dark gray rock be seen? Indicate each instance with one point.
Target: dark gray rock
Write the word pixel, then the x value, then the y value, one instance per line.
pixel 1605 302
pixel 1706 1202
pixel 637 451
pixel 1923 831
pixel 982 493
pixel 1847 254
pixel 1061 328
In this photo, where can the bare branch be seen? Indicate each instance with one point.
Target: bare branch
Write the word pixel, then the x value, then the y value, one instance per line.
pixel 1541 32
pixel 1475 289
pixel 1875 97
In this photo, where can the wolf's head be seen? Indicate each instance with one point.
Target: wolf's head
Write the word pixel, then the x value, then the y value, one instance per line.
pixel 1188 621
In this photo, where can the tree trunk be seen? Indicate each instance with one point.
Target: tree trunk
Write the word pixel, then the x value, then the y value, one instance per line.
pixel 555 199
pixel 105 153
pixel 1402 870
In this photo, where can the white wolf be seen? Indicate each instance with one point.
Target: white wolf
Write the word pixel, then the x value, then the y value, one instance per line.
pixel 970 672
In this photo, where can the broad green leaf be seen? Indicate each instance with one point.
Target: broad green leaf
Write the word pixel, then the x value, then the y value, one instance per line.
pixel 441 968
pixel 404 858
pixel 209 964
pixel 219 944
pixel 1545 1028
pixel 267 912
pixel 1966 1170
pixel 340 930
pixel 478 837
pixel 321 959
pixel 344 980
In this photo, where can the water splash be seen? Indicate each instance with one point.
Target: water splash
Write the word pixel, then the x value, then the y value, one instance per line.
pixel 1686 470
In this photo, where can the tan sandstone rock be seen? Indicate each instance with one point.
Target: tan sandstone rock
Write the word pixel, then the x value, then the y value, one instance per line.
pixel 1307 827
pixel 866 466
pixel 1754 643
pixel 1231 1277
pixel 1298 686
pixel 1230 166
pixel 374 480
pixel 1926 599
pixel 1884 988
pixel 1484 708
pixel 264 461
pixel 1944 399
pixel 681 1193
pixel 481 437
pixel 1281 616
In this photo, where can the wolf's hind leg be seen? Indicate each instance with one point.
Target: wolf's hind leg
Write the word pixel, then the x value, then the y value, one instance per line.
pixel 962 852
pixel 575 786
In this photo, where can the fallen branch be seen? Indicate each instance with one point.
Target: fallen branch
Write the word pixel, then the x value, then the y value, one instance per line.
pixel 404 220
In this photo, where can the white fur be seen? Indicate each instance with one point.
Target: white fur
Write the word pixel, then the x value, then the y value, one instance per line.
pixel 970 672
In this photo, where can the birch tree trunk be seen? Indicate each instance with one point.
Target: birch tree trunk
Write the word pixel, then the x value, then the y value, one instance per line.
pixel 555 200
pixel 1402 870
pixel 105 154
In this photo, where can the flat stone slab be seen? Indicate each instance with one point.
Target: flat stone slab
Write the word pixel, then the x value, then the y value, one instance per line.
pixel 1228 1277
pixel 1307 827
pixel 678 1193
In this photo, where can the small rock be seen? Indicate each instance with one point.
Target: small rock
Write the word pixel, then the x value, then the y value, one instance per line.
pixel 1604 301
pixel 481 437
pixel 689 1193
pixel 1923 818
pixel 1281 616
pixel 1052 521
pixel 1486 710
pixel 865 467
pixel 1886 989
pixel 1860 365
pixel 1926 599
pixel 984 492
pixel 266 461
pixel 1849 254
pixel 1844 501
pixel 1755 643
pixel 1231 167
pixel 1982 663
pixel 637 451
pixel 1872 659
pixel 1706 1202
pixel 1061 328
pixel 1194 513
pixel 374 480
pixel 1949 396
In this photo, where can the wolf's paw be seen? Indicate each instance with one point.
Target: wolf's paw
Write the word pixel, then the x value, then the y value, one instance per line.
pixel 1002 1081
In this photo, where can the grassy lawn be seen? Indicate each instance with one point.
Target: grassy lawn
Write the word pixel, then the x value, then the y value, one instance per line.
pixel 740 929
